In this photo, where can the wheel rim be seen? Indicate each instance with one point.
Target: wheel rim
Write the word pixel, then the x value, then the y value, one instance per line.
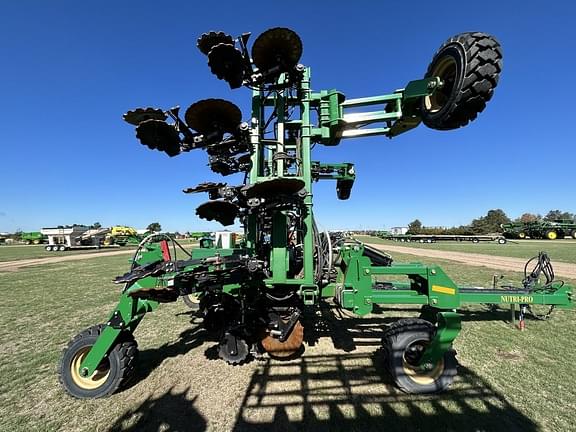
pixel 98 378
pixel 410 360
pixel 522 235
pixel 552 235
pixel 446 69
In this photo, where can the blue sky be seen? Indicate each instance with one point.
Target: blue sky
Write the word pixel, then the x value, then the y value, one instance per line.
pixel 69 70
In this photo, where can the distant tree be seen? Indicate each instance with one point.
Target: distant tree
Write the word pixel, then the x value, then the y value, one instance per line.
pixel 414 227
pixel 528 217
pixel 489 223
pixel 154 227
pixel 558 214
pixel 96 225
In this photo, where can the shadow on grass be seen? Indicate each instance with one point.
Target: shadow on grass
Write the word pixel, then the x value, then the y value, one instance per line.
pixel 330 392
pixel 171 411
pixel 150 359
pixel 352 392
pixel 348 331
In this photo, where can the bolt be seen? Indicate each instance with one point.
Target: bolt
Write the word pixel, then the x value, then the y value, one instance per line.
pixel 84 372
pixel 434 301
pixel 367 271
pixel 433 271
pixel 431 84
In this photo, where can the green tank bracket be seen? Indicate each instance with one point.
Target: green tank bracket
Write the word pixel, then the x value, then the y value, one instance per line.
pixel 449 326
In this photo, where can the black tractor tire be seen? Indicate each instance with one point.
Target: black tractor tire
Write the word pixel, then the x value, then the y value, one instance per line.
pixel 469 66
pixel 404 342
pixel 191 301
pixel 573 234
pixel 113 372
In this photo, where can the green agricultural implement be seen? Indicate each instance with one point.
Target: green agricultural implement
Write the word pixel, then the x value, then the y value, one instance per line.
pixel 540 229
pixel 33 237
pixel 252 296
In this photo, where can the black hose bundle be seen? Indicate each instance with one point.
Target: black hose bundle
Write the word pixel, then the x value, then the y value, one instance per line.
pixel 544 267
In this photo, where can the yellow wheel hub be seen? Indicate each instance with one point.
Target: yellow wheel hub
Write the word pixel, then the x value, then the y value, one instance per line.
pixel 421 376
pixel 446 71
pixel 552 235
pixel 97 379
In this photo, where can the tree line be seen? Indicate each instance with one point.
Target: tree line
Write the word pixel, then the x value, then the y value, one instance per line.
pixel 489 223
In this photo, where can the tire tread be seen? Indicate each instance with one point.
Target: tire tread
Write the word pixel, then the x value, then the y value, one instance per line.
pixel 483 65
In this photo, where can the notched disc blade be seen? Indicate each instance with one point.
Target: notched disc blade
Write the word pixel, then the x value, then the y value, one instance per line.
pixel 226 62
pixel 274 187
pixel 204 187
pixel 137 116
pixel 209 40
pixel 210 115
pixel 221 211
pixel 277 46
pixel 157 134
pixel 160 294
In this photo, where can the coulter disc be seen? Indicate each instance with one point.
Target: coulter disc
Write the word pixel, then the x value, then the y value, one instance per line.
pixel 209 40
pixel 137 116
pixel 210 115
pixel 277 47
pixel 222 211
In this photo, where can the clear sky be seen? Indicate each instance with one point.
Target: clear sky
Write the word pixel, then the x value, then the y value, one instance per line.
pixel 69 70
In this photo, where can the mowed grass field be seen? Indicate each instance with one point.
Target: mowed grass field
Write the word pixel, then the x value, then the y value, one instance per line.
pixel 508 380
pixel 21 252
pixel 558 250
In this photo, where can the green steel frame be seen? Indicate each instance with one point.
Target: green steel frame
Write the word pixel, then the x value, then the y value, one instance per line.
pixel 355 288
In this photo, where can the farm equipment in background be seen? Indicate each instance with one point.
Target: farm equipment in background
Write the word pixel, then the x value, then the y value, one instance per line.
pixel 433 238
pixel 252 295
pixel 197 235
pixel 540 229
pixel 122 236
pixel 33 237
pixel 75 238
pixel 61 239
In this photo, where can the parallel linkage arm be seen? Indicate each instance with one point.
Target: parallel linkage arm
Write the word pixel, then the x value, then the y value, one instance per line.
pixel 399 113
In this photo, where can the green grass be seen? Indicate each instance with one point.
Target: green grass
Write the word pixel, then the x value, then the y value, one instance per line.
pixel 14 253
pixel 21 252
pixel 558 250
pixel 509 380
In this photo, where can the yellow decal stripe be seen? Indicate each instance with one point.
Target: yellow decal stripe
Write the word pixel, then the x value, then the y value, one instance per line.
pixel 443 290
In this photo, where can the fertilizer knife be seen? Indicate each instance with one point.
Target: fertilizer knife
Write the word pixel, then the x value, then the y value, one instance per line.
pixel 253 293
